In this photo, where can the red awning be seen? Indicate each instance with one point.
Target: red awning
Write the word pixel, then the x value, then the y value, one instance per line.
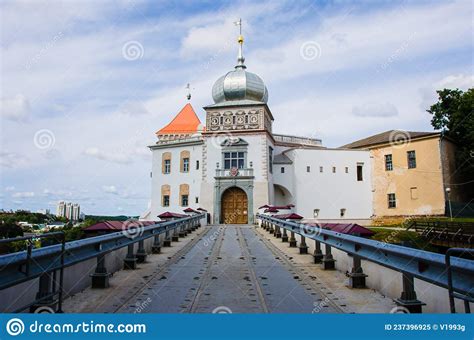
pixel 291 216
pixel 346 228
pixel 169 214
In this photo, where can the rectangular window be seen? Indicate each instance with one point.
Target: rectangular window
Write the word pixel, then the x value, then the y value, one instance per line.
pixel 388 163
pixel 185 164
pixel 167 166
pixel 347 170
pixel 166 200
pixel 308 169
pixel 411 159
pixel 234 160
pixel 414 193
pixel 360 177
pixel 184 200
pixel 282 169
pixel 197 165
pixel 270 159
pixel 320 169
pixel 392 201
pixel 334 169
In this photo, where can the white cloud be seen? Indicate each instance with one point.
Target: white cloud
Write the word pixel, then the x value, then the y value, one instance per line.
pixel 15 108
pixel 460 81
pixel 374 109
pixel 12 159
pixel 10 188
pixel 133 108
pixel 111 189
pixel 110 156
pixel 26 194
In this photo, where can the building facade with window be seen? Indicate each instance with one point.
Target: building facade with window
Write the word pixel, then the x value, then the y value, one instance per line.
pixel 236 163
pixel 411 172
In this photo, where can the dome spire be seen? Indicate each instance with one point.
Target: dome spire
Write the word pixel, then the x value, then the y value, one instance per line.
pixel 240 40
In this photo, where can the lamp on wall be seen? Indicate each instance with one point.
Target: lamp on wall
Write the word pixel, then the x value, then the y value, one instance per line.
pixel 448 192
pixel 251 164
pixel 217 165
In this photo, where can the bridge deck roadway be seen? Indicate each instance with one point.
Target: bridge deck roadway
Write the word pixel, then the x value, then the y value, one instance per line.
pixel 230 268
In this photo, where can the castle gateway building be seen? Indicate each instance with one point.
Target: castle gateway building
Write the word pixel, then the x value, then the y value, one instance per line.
pixel 236 163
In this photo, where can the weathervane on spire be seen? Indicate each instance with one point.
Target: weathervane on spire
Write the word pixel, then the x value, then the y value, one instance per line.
pixel 188 87
pixel 240 40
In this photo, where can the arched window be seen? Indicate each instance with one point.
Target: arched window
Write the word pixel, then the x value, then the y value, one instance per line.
pixel 165 195
pixel 184 161
pixel 184 194
pixel 166 163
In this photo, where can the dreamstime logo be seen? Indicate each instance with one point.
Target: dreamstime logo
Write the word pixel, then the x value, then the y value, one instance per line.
pixel 222 310
pixel 15 327
pixel 310 230
pixel 399 310
pixel 132 228
pixel 310 50
pixel 133 50
pixel 399 138
pixel 44 310
pixel 223 139
pixel 44 139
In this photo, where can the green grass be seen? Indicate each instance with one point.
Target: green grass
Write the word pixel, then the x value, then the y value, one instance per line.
pixel 402 237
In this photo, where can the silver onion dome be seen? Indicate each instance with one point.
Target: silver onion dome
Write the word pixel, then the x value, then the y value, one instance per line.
pixel 239 84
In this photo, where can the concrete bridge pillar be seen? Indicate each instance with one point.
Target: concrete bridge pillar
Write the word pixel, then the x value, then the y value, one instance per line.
pixel 303 247
pixel 130 261
pixel 141 252
pixel 100 277
pixel 271 228
pixel 318 254
pixel 328 261
pixel 292 240
pixel 277 233
pixel 45 288
pixel 182 231
pixel 167 240
pixel 175 236
pixel 284 236
pixel 156 247
pixel 408 298
pixel 357 276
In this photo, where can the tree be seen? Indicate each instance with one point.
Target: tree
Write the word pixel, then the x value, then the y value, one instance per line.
pixel 453 114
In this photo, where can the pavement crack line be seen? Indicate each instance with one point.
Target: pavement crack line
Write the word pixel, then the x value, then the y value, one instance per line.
pixel 252 274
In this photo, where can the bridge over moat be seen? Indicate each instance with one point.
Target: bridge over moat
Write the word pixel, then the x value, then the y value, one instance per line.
pixel 184 266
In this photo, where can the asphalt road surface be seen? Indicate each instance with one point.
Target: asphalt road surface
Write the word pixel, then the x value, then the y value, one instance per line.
pixel 231 269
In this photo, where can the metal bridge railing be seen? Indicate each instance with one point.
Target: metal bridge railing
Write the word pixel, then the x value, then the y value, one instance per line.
pixel 43 263
pixel 457 275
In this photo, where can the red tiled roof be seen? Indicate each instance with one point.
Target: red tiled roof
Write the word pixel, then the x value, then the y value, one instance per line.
pixel 185 122
pixel 264 206
pixel 190 210
pixel 271 209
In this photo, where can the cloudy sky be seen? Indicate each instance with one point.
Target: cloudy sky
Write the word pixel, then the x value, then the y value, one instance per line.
pixel 85 84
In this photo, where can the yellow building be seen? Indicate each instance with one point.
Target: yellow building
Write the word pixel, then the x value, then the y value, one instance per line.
pixel 411 172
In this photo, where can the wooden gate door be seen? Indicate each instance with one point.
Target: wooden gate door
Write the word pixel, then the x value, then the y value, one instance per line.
pixel 234 208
